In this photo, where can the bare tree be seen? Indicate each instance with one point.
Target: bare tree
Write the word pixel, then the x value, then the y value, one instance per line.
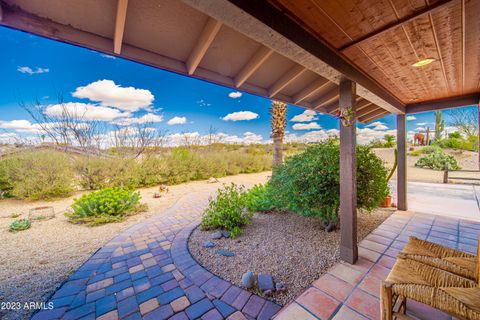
pixel 136 139
pixel 465 120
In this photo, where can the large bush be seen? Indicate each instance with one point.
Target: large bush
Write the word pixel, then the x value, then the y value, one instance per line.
pixel 37 175
pixel 106 205
pixel 308 183
pixel 227 211
pixel 438 160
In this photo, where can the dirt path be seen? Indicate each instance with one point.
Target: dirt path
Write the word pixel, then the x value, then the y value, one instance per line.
pixel 34 262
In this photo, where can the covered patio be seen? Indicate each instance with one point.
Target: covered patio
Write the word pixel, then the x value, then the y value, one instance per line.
pixel 361 60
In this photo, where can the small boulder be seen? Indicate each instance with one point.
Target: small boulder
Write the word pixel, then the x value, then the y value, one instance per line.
pixel 208 244
pixel 226 234
pixel 265 282
pixel 280 286
pixel 225 253
pixel 268 293
pixel 212 180
pixel 248 280
pixel 157 195
pixel 216 235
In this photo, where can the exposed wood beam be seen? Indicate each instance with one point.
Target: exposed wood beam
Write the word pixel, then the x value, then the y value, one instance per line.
pixel 252 65
pixel 425 11
pixel 1 12
pixel 286 79
pixel 360 104
pixel 270 16
pixel 348 176
pixel 310 89
pixel 373 116
pixel 367 110
pixel 447 103
pixel 402 162
pixel 329 108
pixel 120 25
pixel 204 41
pixel 325 98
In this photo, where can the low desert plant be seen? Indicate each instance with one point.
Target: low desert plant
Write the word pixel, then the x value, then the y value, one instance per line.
pixel 309 183
pixel 258 198
pixel 438 160
pixel 104 206
pixel 227 211
pixel 19 225
pixel 15 215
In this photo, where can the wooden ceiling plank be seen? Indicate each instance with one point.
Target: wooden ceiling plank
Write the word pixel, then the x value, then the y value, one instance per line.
pixel 332 94
pixel 463 45
pixel 400 21
pixel 310 89
pixel 447 103
pixel 120 19
pixel 376 117
pixel 252 65
pixel 204 41
pixel 367 110
pixel 439 51
pixel 287 78
pixel 373 115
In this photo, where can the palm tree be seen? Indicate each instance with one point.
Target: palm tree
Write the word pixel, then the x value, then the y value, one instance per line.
pixel 278 113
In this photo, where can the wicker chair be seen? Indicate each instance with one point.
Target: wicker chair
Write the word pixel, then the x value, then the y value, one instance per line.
pixel 448 292
pixel 435 255
pixel 446 279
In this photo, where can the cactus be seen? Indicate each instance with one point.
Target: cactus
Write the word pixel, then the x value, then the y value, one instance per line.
pixel 278 113
pixel 439 125
pixel 394 166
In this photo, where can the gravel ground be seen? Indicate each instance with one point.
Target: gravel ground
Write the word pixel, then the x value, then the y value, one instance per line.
pixel 35 261
pixel 291 248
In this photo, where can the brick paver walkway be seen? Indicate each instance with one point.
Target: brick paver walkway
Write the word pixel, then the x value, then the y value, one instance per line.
pixel 348 292
pixel 147 272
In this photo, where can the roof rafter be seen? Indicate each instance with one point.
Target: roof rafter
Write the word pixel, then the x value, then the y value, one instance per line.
pixel 373 115
pixel 333 93
pixel 204 41
pixel 252 65
pixel 447 103
pixel 286 79
pixel 120 19
pixel 427 10
pixel 310 89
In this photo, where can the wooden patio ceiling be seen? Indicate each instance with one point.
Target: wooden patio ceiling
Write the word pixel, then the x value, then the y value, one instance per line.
pixel 383 38
pixel 176 36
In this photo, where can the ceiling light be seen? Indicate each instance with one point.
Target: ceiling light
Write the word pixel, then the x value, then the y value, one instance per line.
pixel 423 62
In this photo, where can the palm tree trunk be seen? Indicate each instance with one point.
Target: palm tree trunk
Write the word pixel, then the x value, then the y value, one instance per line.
pixel 277 151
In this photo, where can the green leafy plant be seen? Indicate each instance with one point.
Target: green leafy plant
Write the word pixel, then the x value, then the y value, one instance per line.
pixel 308 183
pixel 19 225
pixel 227 211
pixel 15 215
pixel 258 198
pixel 104 206
pixel 438 160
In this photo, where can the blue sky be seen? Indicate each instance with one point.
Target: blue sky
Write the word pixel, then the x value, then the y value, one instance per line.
pixel 118 90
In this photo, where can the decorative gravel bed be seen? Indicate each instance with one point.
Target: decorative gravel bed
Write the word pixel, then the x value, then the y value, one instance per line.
pixel 292 248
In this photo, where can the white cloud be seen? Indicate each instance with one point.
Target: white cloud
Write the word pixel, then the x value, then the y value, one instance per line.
pixel 25 126
pixel 103 55
pixel 306 126
pixel 203 103
pixel 109 94
pixel 374 124
pixel 410 118
pixel 177 120
pixel 423 123
pixel 380 127
pixel 306 116
pixel 241 115
pixel 85 111
pixel 146 118
pixel 247 138
pixel 365 135
pixel 30 71
pixel 235 94
pixel 312 136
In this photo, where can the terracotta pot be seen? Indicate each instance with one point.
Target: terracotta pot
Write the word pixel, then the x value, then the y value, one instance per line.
pixel 387 202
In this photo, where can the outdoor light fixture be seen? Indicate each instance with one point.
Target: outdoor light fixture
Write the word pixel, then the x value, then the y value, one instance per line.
pixel 423 62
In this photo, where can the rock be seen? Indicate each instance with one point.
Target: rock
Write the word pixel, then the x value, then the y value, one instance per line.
pixel 163 188
pixel 216 235
pixel 157 195
pixel 265 282
pixel 280 286
pixel 208 244
pixel 225 253
pixel 394 205
pixel 226 234
pixel 268 293
pixel 248 280
pixel 212 180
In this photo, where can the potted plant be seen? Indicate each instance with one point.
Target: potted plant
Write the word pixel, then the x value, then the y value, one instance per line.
pixel 387 202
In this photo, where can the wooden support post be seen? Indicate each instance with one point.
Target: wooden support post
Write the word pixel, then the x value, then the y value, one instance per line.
pixel 386 301
pixel 348 177
pixel 401 163
pixel 478 133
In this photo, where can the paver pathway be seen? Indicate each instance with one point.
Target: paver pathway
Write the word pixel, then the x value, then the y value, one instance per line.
pixel 147 272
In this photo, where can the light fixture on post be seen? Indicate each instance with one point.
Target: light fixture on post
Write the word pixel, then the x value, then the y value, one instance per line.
pixel 423 62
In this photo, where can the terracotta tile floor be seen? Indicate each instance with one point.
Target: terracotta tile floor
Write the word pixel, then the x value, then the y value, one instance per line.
pixel 348 292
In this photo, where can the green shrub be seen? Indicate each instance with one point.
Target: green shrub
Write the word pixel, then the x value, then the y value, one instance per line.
pixel 426 150
pixel 38 175
pixel 308 183
pixel 455 135
pixel 20 225
pixel 227 211
pixel 438 160
pixel 104 206
pixel 259 198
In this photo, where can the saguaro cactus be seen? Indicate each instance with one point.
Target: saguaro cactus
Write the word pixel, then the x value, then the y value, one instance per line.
pixel 439 125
